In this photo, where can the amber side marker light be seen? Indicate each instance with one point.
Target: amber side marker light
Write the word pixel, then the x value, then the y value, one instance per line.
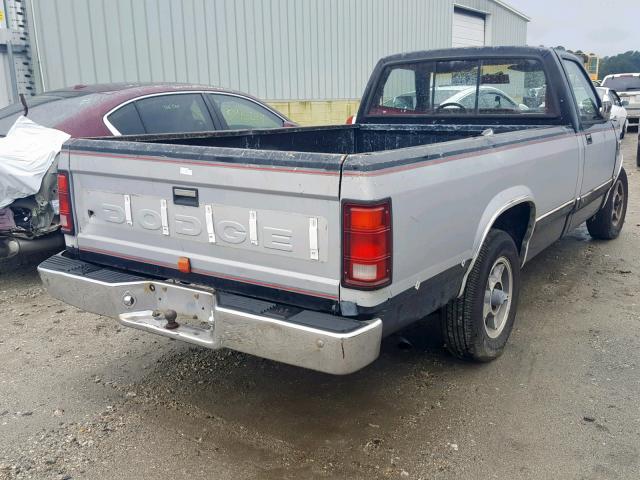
pixel 184 265
pixel 366 244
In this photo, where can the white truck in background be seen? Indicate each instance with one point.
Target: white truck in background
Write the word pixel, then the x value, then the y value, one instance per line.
pixel 627 86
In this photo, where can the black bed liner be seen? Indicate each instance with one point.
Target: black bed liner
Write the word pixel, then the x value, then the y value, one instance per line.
pixel 332 139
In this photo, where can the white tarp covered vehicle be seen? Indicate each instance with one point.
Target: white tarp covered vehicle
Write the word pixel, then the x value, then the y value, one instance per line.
pixel 28 197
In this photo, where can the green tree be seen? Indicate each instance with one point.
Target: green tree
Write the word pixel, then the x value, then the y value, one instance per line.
pixel 627 62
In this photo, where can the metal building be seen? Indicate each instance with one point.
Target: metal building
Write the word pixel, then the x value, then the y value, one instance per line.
pixel 309 58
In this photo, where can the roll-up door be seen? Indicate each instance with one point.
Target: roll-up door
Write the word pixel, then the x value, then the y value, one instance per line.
pixel 468 29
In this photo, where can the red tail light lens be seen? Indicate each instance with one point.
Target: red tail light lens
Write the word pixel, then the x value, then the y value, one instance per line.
pixel 64 197
pixel 366 244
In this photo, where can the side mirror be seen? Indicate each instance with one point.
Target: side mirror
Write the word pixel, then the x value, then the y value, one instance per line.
pixel 624 103
pixel 605 110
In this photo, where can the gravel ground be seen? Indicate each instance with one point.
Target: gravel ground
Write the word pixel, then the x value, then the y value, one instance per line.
pixel 82 398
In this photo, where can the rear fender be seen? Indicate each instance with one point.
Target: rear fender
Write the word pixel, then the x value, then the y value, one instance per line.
pixel 502 202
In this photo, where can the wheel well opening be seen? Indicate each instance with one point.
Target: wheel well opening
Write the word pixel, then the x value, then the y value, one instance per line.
pixel 516 222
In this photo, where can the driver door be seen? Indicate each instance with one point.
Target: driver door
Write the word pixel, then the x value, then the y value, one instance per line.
pixel 597 136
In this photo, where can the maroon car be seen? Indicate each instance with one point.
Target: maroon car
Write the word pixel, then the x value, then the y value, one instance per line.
pixel 31 223
pixel 133 109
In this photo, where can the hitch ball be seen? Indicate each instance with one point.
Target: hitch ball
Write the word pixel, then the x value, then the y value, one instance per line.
pixel 170 316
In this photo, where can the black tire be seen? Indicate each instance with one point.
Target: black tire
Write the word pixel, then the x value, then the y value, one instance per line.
pixel 608 222
pixel 462 321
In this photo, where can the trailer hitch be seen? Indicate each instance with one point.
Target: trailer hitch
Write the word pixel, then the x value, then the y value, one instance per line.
pixel 170 316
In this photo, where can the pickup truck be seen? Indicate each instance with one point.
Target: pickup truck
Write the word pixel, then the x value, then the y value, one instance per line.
pixel 627 85
pixel 309 245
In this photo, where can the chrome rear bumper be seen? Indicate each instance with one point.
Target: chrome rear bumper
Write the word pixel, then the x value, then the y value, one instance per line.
pixel 216 320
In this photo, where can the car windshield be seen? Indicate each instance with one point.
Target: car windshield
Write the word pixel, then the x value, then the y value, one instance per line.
pixel 622 84
pixel 49 109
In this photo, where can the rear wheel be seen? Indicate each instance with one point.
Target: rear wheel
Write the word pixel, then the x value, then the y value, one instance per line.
pixel 477 325
pixel 608 222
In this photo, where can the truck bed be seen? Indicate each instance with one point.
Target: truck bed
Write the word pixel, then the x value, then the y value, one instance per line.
pixel 333 139
pixel 247 227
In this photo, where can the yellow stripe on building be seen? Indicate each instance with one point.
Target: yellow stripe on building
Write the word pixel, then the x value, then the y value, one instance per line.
pixel 317 112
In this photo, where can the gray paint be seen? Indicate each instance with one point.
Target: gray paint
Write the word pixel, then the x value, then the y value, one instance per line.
pixel 274 49
pixel 449 223
pixel 442 210
pixel 232 192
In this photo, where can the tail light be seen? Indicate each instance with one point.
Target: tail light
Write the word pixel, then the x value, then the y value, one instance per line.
pixel 366 244
pixel 64 197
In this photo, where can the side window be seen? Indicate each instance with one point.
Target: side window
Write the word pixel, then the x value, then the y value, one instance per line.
pixel 615 98
pixel 586 99
pixel 184 112
pixel 241 113
pixel 126 120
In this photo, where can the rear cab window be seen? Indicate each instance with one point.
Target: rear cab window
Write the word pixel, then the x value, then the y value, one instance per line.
pixel 503 86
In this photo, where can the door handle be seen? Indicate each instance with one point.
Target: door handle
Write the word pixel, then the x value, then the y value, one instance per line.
pixel 589 139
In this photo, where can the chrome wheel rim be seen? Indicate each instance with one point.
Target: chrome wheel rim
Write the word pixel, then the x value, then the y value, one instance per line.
pixel 497 297
pixel 618 204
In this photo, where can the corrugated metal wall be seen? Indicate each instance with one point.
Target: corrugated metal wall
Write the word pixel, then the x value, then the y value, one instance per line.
pixel 274 49
pixel 16 74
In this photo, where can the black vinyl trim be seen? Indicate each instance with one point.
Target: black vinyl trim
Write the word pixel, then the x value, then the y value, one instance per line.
pixel 372 163
pixel 286 313
pixel 593 194
pixel 554 215
pixel 414 304
pixel 134 146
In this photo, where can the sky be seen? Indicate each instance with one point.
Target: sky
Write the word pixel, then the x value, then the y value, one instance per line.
pixel 604 27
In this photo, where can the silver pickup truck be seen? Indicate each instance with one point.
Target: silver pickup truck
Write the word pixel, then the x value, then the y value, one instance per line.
pixel 309 245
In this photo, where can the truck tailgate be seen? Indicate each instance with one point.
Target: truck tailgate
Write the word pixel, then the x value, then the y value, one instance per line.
pixel 261 218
